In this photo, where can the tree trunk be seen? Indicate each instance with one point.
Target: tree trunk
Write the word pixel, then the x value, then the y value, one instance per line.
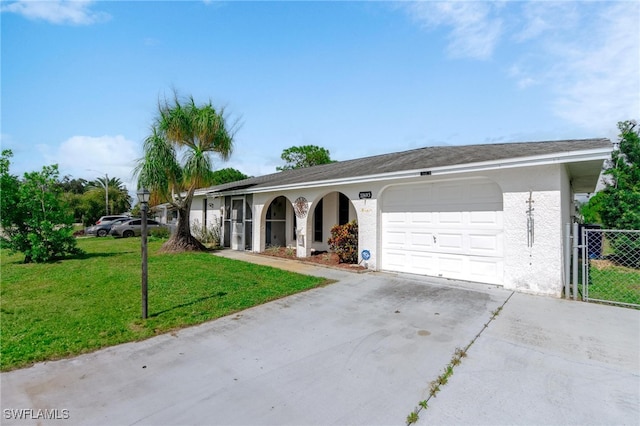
pixel 182 240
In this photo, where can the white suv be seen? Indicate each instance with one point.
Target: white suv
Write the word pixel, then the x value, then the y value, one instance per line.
pixel 110 218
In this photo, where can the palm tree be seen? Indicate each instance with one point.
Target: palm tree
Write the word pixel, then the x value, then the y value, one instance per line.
pixel 117 195
pixel 177 160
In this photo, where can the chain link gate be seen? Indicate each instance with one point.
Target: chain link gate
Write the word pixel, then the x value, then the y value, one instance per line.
pixel 611 266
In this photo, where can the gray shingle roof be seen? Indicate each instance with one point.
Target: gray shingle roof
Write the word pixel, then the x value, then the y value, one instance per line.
pixel 415 159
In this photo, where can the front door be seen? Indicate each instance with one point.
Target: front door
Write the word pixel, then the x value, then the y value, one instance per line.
pixel 237 224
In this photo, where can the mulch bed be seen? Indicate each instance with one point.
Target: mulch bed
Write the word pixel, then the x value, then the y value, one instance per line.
pixel 320 258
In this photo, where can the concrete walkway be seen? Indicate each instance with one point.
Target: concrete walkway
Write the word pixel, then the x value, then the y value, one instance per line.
pixel 360 351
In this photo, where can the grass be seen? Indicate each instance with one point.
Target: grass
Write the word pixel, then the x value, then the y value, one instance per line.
pixel 614 283
pixel 81 304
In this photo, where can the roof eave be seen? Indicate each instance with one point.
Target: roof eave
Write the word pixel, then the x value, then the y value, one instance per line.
pixel 540 160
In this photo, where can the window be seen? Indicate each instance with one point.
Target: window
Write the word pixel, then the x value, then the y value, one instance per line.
pixel 317 223
pixel 343 209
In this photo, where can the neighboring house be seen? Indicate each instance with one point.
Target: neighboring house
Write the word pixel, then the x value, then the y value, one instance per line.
pixel 492 214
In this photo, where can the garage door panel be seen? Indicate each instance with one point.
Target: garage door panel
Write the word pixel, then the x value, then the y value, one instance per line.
pixel 395 259
pixel 450 218
pixel 395 239
pixel 450 241
pixel 396 217
pixel 487 244
pixel 450 264
pixel 421 240
pixel 485 270
pixel 425 218
pixel 422 264
pixel 484 218
pixel 453 230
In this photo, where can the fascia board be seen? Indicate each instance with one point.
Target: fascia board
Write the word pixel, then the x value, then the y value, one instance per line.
pixel 541 160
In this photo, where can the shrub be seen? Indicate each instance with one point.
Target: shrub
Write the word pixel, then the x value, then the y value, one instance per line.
pixel 344 242
pixel 626 247
pixel 161 233
pixel 206 235
pixel 33 215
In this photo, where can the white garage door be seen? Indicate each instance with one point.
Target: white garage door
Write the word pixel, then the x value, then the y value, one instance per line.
pixel 452 230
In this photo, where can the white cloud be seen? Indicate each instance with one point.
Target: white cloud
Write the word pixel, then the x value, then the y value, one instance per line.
pixel 475 30
pixel 543 18
pixel 589 59
pixel 584 56
pixel 77 12
pixel 602 79
pixel 89 157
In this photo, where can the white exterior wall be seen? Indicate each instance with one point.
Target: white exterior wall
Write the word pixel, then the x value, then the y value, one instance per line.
pixel 196 212
pixel 303 240
pixel 214 211
pixel 536 269
pixel 367 212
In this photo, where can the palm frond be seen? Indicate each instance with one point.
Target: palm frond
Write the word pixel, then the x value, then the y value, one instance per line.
pixel 159 170
pixel 197 169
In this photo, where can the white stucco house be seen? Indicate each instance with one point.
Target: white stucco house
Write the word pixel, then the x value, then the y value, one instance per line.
pixel 492 214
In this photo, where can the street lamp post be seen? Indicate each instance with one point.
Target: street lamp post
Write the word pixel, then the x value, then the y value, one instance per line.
pixel 143 197
pixel 106 190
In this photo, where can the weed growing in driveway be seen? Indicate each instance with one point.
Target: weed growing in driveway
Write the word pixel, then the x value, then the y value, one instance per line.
pixel 412 417
pixel 443 379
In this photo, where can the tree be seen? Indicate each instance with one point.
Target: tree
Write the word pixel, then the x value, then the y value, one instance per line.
pixel 34 219
pixel 620 200
pixel 298 157
pixel 618 204
pixel 72 191
pixel 177 160
pixel 119 199
pixel 590 210
pixel 74 186
pixel 227 175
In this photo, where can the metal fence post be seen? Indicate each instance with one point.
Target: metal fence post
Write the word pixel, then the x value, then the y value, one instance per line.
pixel 567 260
pixel 575 261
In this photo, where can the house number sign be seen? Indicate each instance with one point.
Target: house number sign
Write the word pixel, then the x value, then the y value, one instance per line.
pixel 364 195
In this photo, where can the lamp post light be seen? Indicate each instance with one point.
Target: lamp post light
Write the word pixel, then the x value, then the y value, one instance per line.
pixel 143 197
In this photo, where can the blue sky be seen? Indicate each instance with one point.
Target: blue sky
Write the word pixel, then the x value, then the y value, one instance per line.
pixel 81 80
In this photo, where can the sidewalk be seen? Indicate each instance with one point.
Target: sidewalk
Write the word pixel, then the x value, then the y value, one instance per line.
pixel 306 268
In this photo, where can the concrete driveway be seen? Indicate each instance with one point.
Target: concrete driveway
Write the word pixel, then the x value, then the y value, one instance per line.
pixel 360 351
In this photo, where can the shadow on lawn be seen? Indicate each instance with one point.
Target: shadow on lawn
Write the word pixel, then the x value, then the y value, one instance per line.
pixel 193 302
pixel 84 256
pixel 56 260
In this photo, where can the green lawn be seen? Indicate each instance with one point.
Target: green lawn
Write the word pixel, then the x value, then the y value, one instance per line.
pixel 614 283
pixel 78 305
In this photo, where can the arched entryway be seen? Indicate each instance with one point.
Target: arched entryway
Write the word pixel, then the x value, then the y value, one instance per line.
pixel 279 223
pixel 333 208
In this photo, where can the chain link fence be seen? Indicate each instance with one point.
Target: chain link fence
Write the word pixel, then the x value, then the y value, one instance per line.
pixel 611 266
